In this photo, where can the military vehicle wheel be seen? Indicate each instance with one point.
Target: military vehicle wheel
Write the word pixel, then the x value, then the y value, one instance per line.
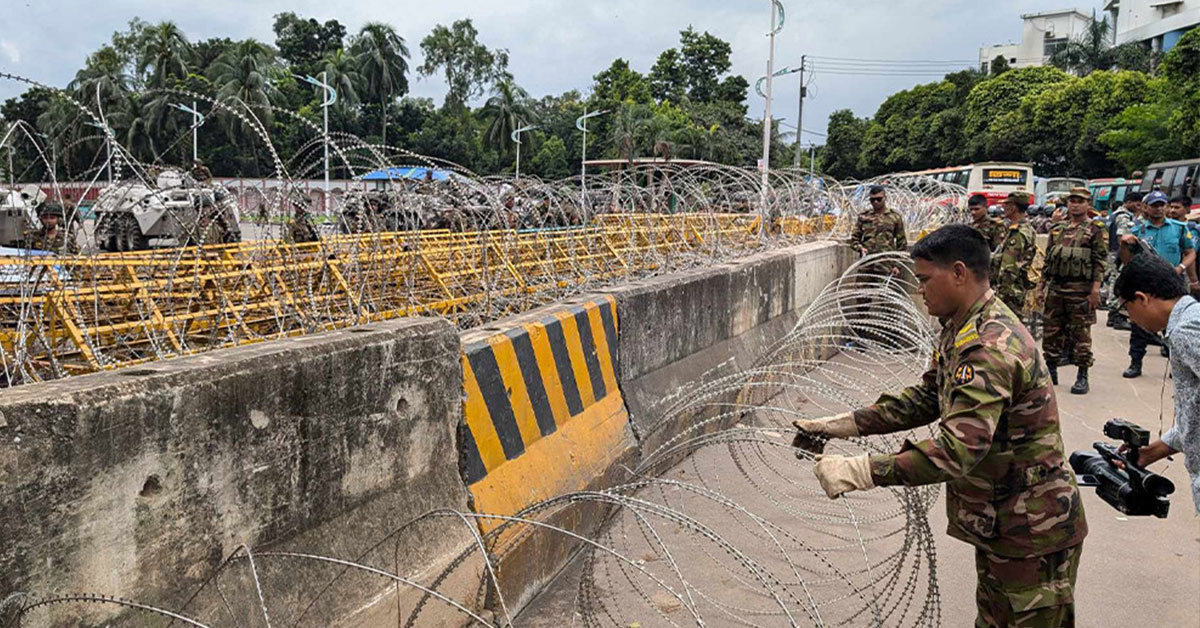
pixel 125 235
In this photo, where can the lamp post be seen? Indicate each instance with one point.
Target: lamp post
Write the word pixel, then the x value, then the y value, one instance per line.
pixel 777 19
pixel 516 137
pixel 330 98
pixel 197 120
pixel 581 124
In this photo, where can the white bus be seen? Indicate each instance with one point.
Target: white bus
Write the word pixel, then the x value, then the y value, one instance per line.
pixel 993 179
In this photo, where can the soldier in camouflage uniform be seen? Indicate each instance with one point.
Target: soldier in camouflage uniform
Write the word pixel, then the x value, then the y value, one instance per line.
pixel 1013 261
pixel 999 448
pixel 992 229
pixel 879 229
pixel 1120 224
pixel 52 236
pixel 1075 261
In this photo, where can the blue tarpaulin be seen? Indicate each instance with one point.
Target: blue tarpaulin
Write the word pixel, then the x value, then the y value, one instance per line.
pixel 415 173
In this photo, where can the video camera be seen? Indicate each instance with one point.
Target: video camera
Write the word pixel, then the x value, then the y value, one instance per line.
pixel 1133 490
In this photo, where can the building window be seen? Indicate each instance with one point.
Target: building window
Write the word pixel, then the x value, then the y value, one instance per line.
pixel 1052 46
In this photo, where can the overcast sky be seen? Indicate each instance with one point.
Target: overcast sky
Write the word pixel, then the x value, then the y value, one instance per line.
pixel 558 45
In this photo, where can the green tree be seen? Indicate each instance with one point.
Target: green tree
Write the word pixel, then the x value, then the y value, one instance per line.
pixel 1093 51
pixel 303 43
pixel 705 58
pixel 165 55
pixel 843 145
pixel 383 65
pixel 244 73
pixel 626 131
pixel 1181 67
pixel 619 84
pixel 341 71
pixel 550 162
pixel 468 65
pixel 506 111
pixel 999 66
pixel 991 99
pixel 1138 137
pixel 668 80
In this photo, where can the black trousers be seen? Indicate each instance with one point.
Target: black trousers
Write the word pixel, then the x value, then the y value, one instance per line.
pixel 1139 339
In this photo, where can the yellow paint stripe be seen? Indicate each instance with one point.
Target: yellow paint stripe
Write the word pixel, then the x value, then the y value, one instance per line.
pixel 545 360
pixel 578 365
pixel 602 353
pixel 479 421
pixel 514 383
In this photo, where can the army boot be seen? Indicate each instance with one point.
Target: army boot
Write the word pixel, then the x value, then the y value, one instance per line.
pixel 1053 373
pixel 1134 370
pixel 1081 386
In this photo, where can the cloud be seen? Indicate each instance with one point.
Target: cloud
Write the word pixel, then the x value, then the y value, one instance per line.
pixel 558 45
pixel 10 50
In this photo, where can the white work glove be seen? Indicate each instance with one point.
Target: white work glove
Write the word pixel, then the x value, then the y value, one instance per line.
pixel 837 426
pixel 839 475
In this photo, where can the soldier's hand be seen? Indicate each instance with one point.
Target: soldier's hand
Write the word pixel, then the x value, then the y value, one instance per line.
pixel 1093 299
pixel 837 426
pixel 895 271
pixel 839 475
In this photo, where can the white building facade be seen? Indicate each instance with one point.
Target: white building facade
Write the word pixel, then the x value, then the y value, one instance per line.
pixel 1159 23
pixel 1042 35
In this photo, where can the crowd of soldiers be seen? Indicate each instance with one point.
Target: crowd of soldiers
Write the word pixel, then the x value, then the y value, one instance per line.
pixel 1061 286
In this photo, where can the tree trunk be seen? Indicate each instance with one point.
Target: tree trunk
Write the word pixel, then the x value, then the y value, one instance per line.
pixel 383 105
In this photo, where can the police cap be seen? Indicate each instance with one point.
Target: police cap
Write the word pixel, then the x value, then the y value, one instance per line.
pixel 1155 198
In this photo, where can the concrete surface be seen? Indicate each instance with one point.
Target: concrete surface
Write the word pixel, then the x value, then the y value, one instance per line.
pixel 139 482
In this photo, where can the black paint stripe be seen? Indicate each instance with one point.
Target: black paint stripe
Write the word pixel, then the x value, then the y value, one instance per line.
pixel 495 395
pixel 472 463
pixel 531 372
pixel 607 316
pixel 584 323
pixel 562 364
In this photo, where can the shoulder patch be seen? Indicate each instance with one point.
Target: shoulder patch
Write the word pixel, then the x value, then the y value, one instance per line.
pixel 964 374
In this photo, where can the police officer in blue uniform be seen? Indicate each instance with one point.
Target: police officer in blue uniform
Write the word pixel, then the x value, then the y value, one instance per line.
pixel 1171 240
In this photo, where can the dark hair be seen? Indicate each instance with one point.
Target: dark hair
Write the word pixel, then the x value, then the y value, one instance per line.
pixel 876 189
pixel 1183 200
pixel 1134 197
pixel 956 243
pixel 1151 274
pixel 977 200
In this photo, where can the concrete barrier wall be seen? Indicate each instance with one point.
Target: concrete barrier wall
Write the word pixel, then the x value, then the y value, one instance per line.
pixel 137 483
pixel 686 328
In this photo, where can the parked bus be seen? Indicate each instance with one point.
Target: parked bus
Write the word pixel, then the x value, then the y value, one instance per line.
pixel 993 179
pixel 1050 189
pixel 1175 178
pixel 1110 193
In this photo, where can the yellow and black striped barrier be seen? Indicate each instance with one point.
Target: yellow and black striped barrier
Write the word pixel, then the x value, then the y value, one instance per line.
pixel 544 415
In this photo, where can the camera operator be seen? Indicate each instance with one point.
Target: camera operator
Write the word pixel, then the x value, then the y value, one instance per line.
pixel 1154 294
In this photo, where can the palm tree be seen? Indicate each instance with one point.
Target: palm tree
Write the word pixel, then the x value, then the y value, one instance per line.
pixel 1086 53
pixel 506 110
pixel 166 53
pixel 382 62
pixel 341 73
pixel 627 126
pixel 244 73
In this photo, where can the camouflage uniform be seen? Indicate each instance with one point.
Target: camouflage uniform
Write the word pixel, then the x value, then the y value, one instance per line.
pixel 1011 266
pixel 1122 221
pixel 1075 260
pixel 1000 453
pixel 879 232
pixel 60 242
pixel 992 230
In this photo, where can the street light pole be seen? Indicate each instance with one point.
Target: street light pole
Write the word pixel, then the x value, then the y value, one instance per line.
pixel 516 137
pixel 776 26
pixel 197 120
pixel 581 124
pixel 326 103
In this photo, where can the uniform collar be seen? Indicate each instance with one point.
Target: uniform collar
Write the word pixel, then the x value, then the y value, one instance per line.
pixel 956 325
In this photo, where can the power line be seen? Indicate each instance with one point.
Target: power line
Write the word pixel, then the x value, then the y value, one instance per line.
pixel 893 61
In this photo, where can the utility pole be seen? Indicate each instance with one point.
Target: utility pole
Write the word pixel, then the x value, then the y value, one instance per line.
pixel 800 113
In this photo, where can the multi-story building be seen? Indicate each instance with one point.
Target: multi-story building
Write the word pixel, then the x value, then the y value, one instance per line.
pixel 1042 35
pixel 1159 23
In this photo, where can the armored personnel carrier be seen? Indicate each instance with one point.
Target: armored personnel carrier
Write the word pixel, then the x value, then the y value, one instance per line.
pixel 175 211
pixel 18 213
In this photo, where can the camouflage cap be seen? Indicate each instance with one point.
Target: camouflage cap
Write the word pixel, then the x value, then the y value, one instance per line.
pixel 1081 192
pixel 1020 198
pixel 51 209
